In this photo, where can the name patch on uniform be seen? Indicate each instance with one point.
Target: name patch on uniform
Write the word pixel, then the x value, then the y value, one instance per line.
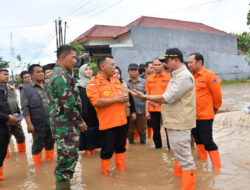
pixel 91 84
pixel 106 93
pixel 124 85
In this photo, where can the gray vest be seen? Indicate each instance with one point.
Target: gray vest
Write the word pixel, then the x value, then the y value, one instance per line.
pixel 37 114
pixel 139 103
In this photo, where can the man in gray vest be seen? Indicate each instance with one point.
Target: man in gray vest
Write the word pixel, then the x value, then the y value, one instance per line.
pixel 34 102
pixel 140 123
pixel 179 115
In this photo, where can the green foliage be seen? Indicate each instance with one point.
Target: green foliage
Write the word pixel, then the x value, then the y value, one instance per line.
pixel 18 81
pixel 244 44
pixel 243 41
pixel 78 47
pixel 75 73
pixel 93 64
pixel 4 64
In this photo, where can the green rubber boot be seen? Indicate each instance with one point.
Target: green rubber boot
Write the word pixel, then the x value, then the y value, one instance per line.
pixel 63 185
pixel 143 138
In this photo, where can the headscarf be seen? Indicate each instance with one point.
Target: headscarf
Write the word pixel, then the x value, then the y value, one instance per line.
pixel 83 80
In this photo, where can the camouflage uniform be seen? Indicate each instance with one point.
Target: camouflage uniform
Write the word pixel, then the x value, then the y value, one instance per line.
pixel 65 121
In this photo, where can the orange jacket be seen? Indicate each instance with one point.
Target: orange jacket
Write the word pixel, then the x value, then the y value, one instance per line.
pixel 156 85
pixel 110 116
pixel 208 94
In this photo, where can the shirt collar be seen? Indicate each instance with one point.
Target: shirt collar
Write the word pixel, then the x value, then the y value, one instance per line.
pixel 162 74
pixel 34 84
pixel 201 71
pixel 182 68
pixel 138 79
pixel 61 67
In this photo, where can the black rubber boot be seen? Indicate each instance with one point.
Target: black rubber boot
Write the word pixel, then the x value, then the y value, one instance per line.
pixel 131 139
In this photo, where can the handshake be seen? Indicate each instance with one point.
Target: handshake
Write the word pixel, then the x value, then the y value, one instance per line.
pixel 136 93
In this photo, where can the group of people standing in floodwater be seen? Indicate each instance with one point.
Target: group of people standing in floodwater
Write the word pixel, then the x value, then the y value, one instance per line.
pixel 104 111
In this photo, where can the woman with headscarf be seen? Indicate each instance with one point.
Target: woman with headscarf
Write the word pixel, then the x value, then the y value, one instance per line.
pixel 89 140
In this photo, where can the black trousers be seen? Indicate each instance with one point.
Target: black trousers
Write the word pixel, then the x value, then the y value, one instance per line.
pixel 113 140
pixel 203 134
pixel 156 125
pixel 4 142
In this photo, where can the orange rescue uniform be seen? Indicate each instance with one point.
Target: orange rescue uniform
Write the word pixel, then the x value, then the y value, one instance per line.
pixel 208 94
pixel 156 85
pixel 109 116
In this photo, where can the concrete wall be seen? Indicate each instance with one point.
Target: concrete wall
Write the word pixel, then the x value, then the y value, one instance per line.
pixel 229 67
pixel 219 51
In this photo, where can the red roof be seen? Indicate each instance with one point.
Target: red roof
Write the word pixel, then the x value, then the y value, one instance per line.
pixel 112 32
pixel 100 31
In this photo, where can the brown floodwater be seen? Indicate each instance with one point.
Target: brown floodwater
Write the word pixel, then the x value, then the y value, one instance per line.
pixel 147 168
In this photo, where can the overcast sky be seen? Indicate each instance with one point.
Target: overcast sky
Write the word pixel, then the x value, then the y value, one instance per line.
pixel 32 21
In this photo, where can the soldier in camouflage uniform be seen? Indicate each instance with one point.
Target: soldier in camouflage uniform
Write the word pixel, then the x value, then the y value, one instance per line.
pixel 65 116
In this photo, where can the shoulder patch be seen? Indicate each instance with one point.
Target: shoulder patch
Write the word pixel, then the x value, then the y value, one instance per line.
pixel 214 80
pixel 91 84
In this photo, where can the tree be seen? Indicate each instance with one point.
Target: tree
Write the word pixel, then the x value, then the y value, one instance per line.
pixel 78 47
pixel 4 64
pixel 243 41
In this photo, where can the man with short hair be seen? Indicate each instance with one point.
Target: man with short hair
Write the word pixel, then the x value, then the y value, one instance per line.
pixel 15 129
pixel 108 96
pixel 34 102
pixel 25 76
pixel 47 73
pixel 5 118
pixel 178 111
pixel 148 71
pixel 208 101
pixel 65 115
pixel 156 84
pixel 134 82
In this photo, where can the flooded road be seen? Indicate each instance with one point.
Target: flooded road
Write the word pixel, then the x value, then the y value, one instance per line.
pixel 147 168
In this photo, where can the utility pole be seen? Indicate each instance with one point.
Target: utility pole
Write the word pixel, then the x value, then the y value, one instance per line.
pixel 12 56
pixel 60 36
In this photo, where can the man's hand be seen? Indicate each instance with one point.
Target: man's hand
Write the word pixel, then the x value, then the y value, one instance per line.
pixel 84 127
pixel 122 97
pixel 18 120
pixel 133 116
pixel 12 120
pixel 215 110
pixel 31 128
pixel 148 115
pixel 154 104
pixel 138 94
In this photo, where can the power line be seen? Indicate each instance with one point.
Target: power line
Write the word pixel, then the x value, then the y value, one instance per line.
pixel 198 5
pixel 77 9
pixel 89 9
pixel 99 12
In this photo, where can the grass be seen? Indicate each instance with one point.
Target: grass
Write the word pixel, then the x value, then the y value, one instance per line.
pixel 236 81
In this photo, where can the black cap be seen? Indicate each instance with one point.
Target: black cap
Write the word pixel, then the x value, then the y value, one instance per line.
pixel 132 66
pixel 172 53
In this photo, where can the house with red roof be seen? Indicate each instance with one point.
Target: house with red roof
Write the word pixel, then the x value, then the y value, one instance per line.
pixel 149 37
